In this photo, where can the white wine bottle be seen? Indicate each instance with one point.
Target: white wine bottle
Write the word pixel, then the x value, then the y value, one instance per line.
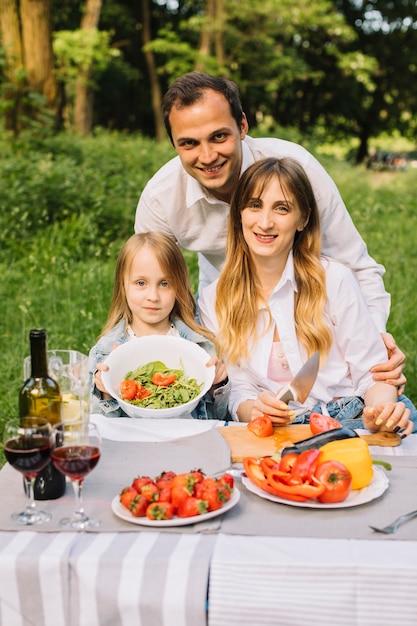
pixel 40 397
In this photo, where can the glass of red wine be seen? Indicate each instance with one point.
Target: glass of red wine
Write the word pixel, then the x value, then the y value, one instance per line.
pixel 77 452
pixel 27 443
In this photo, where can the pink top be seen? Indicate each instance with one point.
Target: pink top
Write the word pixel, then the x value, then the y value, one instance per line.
pixel 278 368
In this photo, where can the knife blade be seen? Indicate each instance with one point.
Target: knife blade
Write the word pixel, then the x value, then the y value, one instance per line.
pixel 300 386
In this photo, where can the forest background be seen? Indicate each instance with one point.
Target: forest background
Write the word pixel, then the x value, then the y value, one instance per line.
pixel 81 85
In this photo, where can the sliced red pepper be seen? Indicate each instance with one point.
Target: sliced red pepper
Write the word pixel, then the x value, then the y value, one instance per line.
pixel 302 492
pixel 271 483
pixel 306 464
pixel 267 462
pixel 288 461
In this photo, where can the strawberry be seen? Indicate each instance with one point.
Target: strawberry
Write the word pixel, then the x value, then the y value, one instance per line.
pixel 150 491
pixel 160 511
pixel 138 506
pixel 126 496
pixel 139 481
pixel 164 479
pixel 178 495
pixel 191 507
pixel 227 479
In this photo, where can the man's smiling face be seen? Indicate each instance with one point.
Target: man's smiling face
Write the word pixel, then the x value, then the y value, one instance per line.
pixel 209 143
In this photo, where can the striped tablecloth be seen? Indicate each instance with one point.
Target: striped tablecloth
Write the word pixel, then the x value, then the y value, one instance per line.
pixel 104 579
pixel 148 578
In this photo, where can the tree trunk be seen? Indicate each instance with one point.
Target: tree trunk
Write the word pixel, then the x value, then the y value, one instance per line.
pixel 362 152
pixel 37 46
pixel 206 37
pixel 153 75
pixel 12 42
pixel 218 32
pixel 84 92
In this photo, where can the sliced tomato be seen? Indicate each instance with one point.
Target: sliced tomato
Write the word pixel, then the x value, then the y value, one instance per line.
pixel 142 392
pixel 128 389
pixel 163 380
pixel 336 479
pixel 261 426
pixel 320 423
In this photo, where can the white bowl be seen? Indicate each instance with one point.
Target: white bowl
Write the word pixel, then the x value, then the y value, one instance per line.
pixel 175 353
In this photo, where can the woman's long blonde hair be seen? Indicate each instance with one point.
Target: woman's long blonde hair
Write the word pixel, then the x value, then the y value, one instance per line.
pixel 238 296
pixel 174 267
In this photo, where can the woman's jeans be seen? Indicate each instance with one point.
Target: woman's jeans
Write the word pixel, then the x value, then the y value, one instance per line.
pixel 348 411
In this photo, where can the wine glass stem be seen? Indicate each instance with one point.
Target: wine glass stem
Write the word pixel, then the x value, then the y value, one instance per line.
pixel 78 490
pixel 30 496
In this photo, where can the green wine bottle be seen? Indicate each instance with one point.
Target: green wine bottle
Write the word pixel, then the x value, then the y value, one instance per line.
pixel 40 397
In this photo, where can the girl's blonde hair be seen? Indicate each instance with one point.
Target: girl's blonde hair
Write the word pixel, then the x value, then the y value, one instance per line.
pixel 238 298
pixel 173 265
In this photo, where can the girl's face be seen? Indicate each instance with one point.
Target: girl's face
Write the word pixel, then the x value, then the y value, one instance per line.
pixel 149 294
pixel 269 222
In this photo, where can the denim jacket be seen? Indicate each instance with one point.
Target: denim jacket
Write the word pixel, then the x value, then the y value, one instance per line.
pixel 210 407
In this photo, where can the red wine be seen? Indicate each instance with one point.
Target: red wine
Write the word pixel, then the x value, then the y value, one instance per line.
pixel 28 455
pixel 76 461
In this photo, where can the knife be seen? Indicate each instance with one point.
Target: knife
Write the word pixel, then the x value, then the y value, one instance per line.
pixel 300 386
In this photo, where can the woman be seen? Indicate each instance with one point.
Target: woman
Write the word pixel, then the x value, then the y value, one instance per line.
pixel 277 301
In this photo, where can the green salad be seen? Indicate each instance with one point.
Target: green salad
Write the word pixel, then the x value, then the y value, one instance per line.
pixel 159 387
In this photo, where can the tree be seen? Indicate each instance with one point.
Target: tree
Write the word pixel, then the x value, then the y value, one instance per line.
pixel 388 32
pixel 84 94
pixel 27 35
pixel 156 95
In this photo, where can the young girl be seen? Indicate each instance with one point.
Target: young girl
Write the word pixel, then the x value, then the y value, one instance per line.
pixel 152 296
pixel 277 301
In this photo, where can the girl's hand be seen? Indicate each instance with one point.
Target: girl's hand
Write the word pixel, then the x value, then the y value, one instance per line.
pixel 388 416
pixel 268 403
pixel 101 367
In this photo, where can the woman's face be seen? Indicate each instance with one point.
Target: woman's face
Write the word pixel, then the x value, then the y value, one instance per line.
pixel 270 220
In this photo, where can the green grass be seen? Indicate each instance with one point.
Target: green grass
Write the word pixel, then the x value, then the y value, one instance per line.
pixel 68 204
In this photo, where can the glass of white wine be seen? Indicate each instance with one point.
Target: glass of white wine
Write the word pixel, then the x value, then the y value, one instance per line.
pixel 69 368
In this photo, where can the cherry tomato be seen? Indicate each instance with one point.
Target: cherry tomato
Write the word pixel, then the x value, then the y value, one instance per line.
pixel 320 423
pixel 163 380
pixel 337 481
pixel 128 389
pixel 261 426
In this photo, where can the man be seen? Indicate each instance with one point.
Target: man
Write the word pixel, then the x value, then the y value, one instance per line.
pixel 189 197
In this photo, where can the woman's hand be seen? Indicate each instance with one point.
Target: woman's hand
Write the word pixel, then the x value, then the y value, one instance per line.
pixel 220 373
pixel 391 371
pixel 268 403
pixel 389 417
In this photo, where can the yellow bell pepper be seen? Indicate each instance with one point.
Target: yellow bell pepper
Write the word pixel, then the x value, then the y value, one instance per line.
pixel 354 455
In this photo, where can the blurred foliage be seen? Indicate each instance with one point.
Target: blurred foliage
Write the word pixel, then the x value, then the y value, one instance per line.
pixel 67 205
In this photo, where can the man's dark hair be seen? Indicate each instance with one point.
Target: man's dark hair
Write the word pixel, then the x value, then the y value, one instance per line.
pixel 189 89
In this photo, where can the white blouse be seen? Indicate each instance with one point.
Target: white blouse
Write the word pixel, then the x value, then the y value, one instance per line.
pixel 357 343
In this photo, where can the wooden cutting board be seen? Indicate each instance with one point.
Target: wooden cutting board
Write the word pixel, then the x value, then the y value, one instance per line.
pixel 244 443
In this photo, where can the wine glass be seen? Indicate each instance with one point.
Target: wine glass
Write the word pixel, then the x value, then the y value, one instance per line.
pixel 76 454
pixel 27 443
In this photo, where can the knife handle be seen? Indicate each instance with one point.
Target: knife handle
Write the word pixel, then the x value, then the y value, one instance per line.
pixel 287 394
